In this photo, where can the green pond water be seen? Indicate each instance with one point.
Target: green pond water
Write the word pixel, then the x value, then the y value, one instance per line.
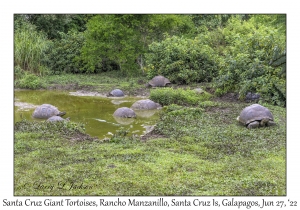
pixel 95 112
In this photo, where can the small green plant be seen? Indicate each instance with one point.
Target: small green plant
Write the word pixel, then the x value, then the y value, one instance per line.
pixel 121 137
pixel 18 73
pixel 180 96
pixel 30 81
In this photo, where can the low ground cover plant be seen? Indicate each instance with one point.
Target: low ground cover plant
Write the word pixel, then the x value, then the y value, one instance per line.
pixel 180 96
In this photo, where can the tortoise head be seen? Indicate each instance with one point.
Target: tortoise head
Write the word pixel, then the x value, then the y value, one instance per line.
pixel 148 85
pixel 264 122
pixel 61 113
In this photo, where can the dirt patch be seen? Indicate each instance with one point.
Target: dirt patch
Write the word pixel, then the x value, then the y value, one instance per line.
pixel 81 137
pixel 150 136
pixel 223 110
pixel 24 106
pixel 228 97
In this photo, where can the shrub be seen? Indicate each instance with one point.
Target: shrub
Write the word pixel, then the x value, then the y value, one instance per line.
pixel 180 96
pixel 182 60
pixel 63 54
pixel 30 81
pixel 18 72
pixel 246 66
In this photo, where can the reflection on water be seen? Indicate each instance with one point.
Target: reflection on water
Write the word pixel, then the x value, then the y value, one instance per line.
pixel 146 113
pixel 95 112
pixel 118 101
pixel 124 121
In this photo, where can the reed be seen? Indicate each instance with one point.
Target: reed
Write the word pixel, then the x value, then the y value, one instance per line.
pixel 29 49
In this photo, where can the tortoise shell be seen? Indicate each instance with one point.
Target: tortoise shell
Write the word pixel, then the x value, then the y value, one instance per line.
pixel 46 111
pixel 124 112
pixel 255 112
pixel 116 93
pixel 159 81
pixel 145 104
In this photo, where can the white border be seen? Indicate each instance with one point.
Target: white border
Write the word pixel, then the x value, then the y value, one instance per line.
pixel 8 8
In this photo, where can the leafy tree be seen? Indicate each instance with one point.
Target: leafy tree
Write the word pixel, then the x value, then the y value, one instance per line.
pixel 54 24
pixel 108 37
pixel 277 21
pixel 210 21
pixel 125 38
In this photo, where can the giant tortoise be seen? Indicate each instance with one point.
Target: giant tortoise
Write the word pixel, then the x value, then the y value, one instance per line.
pixel 116 93
pixel 158 81
pixel 256 116
pixel 46 111
pixel 124 112
pixel 145 104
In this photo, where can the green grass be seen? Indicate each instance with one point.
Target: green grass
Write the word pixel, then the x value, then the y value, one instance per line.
pixel 201 150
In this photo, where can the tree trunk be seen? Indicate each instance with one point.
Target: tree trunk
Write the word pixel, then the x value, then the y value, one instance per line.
pixel 140 62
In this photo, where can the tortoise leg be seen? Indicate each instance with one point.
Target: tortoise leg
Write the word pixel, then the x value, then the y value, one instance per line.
pixel 270 123
pixel 254 124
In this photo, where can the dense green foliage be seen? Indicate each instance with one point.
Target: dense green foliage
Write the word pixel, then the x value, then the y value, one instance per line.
pixel 63 55
pixel 109 39
pixel 246 65
pixel 236 53
pixel 55 24
pixel 210 21
pixel 182 60
pixel 125 38
pixel 30 48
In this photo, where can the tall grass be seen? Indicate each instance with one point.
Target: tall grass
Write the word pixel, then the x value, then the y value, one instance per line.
pixel 29 49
